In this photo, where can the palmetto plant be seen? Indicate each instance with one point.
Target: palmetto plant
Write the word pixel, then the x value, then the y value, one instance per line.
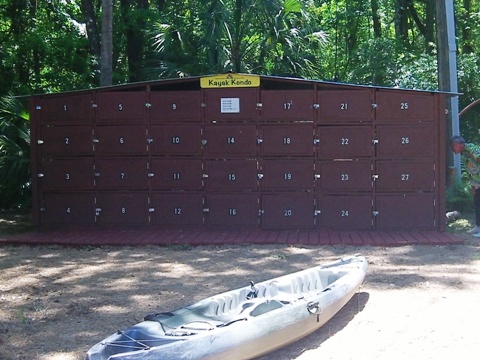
pixel 15 179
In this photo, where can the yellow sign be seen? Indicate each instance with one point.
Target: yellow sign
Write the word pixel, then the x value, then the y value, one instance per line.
pixel 230 81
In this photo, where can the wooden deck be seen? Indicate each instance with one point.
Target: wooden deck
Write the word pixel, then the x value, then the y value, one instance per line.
pixel 142 237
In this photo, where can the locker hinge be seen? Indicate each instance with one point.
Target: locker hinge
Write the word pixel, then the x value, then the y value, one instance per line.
pixel 316 141
pixel 150 210
pixel 148 105
pixel 96 174
pixel 151 175
pixel 96 141
pixel 317 176
pixel 94 106
pixel 39 175
pixel 205 210
pixel 260 212
pixel 375 213
pixel 260 176
pixel 259 105
pixel 205 176
pixel 259 140
pixel 97 211
pixel 203 105
pixel 38 107
pixel 317 212
pixel 316 106
pixel 374 106
pixel 42 209
pixel 149 141
pixel 374 177
pixel 375 141
pixel 39 142
pixel 204 142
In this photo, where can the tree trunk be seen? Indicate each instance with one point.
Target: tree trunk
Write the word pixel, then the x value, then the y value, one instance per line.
pixel 466 30
pixel 90 18
pixel 107 44
pixel 377 27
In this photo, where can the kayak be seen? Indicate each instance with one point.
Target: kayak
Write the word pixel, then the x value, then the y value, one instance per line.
pixel 243 323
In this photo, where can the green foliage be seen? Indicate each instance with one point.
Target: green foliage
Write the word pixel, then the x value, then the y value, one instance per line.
pixel 459 198
pixel 15 177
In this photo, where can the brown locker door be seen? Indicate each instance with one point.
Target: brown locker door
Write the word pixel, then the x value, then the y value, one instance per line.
pixel 288 211
pixel 406 175
pixel 122 174
pixel 178 209
pixel 68 208
pixel 230 140
pixel 121 140
pixel 175 106
pixel 65 109
pixel 345 142
pixel 404 106
pixel 185 139
pixel 346 212
pixel 295 174
pixel 231 175
pixel 341 106
pixel 405 140
pixel 122 209
pixel 66 140
pixel 350 175
pixel 287 140
pixel 238 210
pixel 231 104
pixel 177 174
pixel 128 106
pixel 405 211
pixel 288 105
pixel 66 174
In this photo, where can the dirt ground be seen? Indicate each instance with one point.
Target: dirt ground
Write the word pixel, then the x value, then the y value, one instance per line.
pixel 417 302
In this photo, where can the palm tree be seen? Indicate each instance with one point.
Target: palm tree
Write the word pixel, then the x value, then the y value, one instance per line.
pixel 15 179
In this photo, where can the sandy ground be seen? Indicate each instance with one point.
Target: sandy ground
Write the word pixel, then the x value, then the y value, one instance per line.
pixel 417 302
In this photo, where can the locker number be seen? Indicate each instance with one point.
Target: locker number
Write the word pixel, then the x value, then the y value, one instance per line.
pixel 344 177
pixel 405 177
pixel 177 211
pixel 232 177
pixel 287 105
pixel 64 107
pixel 123 210
pixel 287 140
pixel 230 140
pixel 287 212
pixel 67 176
pixel 67 141
pixel 344 141
pixel 404 106
pixel 176 176
pixel 176 140
pixel 69 210
pixel 345 213
pixel 405 140
pixel 122 175
pixel 232 212
pixel 174 106
pixel 287 176
pixel 344 106
pixel 121 140
pixel 120 107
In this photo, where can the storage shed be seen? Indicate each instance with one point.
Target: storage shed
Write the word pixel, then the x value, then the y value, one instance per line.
pixel 240 151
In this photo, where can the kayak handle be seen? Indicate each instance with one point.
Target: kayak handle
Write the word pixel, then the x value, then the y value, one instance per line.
pixel 314 308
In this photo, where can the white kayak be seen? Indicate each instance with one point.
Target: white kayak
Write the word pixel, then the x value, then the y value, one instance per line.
pixel 244 323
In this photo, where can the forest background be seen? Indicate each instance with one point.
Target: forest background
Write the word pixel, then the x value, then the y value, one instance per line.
pixel 56 45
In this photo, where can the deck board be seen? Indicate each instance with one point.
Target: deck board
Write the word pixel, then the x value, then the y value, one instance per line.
pixel 142 237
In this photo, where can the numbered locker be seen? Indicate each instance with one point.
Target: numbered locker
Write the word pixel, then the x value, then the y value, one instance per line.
pixel 395 106
pixel 65 109
pixel 231 175
pixel 178 209
pixel 131 209
pixel 287 140
pixel 230 140
pixel 295 174
pixel 342 106
pixel 177 174
pixel 66 174
pixel 346 175
pixel 121 140
pixel 122 173
pixel 185 139
pixel 405 211
pixel 405 175
pixel 288 105
pixel 68 209
pixel 66 140
pixel 288 211
pixel 232 104
pixel 175 106
pixel 237 210
pixel 340 142
pixel 405 140
pixel 346 212
pixel 121 106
